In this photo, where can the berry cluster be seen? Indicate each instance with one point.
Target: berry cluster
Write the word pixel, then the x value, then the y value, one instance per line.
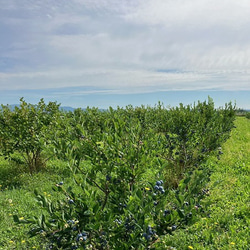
pixel 81 237
pixel 149 233
pixel 158 187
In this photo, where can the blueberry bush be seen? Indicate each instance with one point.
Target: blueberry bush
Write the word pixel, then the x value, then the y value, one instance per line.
pixel 26 130
pixel 139 173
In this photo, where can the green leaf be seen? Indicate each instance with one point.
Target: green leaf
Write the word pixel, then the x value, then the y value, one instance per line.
pixel 180 213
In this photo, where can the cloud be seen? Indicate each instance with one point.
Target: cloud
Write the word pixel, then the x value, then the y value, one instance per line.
pixel 126 81
pixel 199 13
pixel 125 46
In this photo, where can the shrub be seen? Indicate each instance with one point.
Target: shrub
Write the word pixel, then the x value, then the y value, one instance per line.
pixel 26 130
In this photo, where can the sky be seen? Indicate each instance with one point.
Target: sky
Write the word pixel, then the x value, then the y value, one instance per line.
pixel 105 53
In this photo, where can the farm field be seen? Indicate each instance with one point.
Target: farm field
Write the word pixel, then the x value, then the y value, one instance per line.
pixel 203 207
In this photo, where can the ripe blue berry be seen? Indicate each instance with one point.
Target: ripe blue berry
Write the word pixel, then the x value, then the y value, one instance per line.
pixel 71 201
pixel 81 237
pixel 146 236
pixel 166 212
pixel 161 188
pixel 158 183
pixel 108 178
pixel 150 231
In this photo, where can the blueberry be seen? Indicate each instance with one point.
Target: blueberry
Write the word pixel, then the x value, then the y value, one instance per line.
pixel 174 227
pixel 161 188
pixel 60 183
pixel 79 237
pixel 146 236
pixel 186 203
pixel 71 201
pixel 158 183
pixel 108 178
pixel 156 187
pixel 155 203
pixel 166 212
pixel 150 231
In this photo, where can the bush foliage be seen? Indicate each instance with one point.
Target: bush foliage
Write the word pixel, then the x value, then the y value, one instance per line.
pixel 139 173
pixel 26 130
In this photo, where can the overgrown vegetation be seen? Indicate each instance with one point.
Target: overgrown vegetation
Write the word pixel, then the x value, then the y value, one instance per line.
pixel 135 176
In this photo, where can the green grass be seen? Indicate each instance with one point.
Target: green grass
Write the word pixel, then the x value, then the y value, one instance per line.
pixel 17 197
pixel 227 227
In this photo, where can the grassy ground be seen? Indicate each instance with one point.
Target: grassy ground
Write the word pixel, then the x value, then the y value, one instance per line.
pixel 227 227
pixel 17 197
